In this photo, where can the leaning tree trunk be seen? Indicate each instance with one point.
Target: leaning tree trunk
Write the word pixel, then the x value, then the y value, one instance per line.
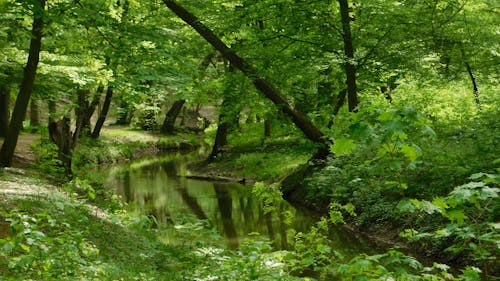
pixel 168 126
pixel 350 68
pixel 264 86
pixel 20 107
pixel 4 110
pixel 104 113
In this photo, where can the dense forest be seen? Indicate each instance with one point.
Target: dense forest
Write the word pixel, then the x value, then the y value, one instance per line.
pixel 377 116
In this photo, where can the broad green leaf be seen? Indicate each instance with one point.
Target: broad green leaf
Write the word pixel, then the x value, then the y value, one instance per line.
pixel 411 151
pixel 385 116
pixel 393 126
pixel 361 131
pixel 343 146
pixel 457 216
pixel 441 203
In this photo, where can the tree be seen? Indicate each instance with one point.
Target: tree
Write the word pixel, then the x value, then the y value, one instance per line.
pixel 168 126
pixel 264 86
pixel 350 68
pixel 104 112
pixel 26 88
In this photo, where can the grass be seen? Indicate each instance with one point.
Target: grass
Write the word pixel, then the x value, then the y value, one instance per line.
pixel 251 156
pixel 54 236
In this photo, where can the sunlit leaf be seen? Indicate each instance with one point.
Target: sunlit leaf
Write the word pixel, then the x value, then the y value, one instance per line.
pixel 343 146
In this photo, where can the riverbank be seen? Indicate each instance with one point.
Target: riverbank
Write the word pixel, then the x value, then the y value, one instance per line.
pixel 102 239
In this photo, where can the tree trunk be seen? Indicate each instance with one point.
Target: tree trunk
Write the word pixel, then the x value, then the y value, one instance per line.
pixel 308 128
pixel 349 66
pixel 168 126
pixel 86 108
pixel 81 111
pixel 60 134
pixel 26 88
pixel 4 110
pixel 52 110
pixel 472 78
pixel 227 120
pixel 34 112
pixel 267 127
pixel 104 113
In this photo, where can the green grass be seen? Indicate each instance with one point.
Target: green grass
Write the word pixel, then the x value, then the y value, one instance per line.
pixel 54 237
pixel 250 155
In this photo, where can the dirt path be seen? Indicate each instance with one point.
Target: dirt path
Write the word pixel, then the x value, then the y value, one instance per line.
pixel 23 155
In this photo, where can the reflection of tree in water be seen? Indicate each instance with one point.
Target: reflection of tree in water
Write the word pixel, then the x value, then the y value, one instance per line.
pixel 235 210
pixel 127 191
pixel 226 209
pixel 170 169
pixel 247 208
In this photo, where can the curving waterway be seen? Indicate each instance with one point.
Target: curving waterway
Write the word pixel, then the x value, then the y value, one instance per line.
pixel 158 187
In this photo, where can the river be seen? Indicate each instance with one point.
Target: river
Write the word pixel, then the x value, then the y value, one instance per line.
pixel 159 187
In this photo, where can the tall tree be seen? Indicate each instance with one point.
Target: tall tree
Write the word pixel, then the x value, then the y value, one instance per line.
pixel 349 64
pixel 26 88
pixel 262 84
pixel 103 114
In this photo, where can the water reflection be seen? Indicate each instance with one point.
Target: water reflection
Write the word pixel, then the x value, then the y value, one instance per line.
pixel 157 188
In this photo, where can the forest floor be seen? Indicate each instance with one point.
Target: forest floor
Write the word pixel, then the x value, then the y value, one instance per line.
pixel 24 155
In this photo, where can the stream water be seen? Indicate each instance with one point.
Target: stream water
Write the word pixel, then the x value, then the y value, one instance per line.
pixel 159 187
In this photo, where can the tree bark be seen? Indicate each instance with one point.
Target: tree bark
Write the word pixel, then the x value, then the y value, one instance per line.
pixel 168 126
pixel 472 78
pixel 264 86
pixel 4 110
pixel 349 66
pixel 228 119
pixel 267 127
pixel 52 110
pixel 34 112
pixel 86 108
pixel 26 88
pixel 104 113
pixel 60 134
pixel 81 111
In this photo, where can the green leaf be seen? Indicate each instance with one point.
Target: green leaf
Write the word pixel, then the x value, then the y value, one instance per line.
pixel 385 116
pixel 393 126
pixel 457 216
pixel 412 152
pixel 343 146
pixel 471 274
pixel 441 203
pixel 361 131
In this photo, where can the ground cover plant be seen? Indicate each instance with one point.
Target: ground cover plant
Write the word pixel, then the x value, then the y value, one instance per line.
pixel 381 115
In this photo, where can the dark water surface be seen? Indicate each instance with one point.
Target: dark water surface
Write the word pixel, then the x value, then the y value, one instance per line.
pixel 158 187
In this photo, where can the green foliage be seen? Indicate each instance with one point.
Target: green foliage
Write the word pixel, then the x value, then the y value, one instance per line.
pixel 269 194
pixel 43 247
pixel 471 224
pixel 47 158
